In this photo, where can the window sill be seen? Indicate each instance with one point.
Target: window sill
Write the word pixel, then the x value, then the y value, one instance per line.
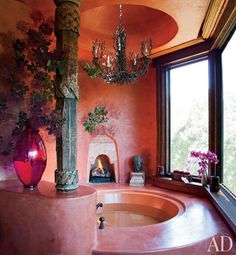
pixel 194 188
pixel 226 205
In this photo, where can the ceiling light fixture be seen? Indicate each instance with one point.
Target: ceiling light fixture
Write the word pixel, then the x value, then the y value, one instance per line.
pixel 114 68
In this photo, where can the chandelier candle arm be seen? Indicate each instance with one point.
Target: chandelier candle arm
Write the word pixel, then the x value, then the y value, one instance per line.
pixel 115 68
pixel 98 48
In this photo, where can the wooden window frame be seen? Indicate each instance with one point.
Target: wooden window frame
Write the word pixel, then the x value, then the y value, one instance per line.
pixel 223 200
pixel 183 57
pixel 219 59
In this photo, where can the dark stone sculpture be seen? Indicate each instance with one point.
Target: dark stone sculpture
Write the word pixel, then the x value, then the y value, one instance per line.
pixel 138 163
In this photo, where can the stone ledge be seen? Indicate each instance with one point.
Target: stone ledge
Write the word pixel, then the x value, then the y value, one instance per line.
pixel 226 205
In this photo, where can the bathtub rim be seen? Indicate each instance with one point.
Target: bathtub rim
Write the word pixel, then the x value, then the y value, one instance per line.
pixel 180 204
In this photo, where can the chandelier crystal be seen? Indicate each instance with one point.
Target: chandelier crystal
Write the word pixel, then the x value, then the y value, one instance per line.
pixel 115 68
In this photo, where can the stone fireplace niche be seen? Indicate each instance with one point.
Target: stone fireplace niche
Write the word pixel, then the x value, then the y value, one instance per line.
pixel 102 171
pixel 102 160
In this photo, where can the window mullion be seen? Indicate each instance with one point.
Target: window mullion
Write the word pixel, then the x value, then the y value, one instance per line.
pixel 215 109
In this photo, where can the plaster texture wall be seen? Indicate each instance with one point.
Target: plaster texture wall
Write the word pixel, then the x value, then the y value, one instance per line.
pixel 132 116
pixel 44 221
pixel 132 123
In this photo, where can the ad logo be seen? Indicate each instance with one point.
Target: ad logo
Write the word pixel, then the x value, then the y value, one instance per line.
pixel 224 245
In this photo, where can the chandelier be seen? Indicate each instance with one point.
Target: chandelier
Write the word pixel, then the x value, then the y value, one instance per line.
pixel 115 68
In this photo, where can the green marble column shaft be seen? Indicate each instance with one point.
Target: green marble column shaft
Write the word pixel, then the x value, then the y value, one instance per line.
pixel 67 32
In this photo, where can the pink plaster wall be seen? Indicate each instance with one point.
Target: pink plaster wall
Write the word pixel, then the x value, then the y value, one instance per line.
pixel 132 112
pixel 10 13
pixel 43 221
pixel 132 123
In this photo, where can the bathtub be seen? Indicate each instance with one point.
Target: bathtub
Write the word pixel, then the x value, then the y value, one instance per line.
pixel 160 222
pixel 135 209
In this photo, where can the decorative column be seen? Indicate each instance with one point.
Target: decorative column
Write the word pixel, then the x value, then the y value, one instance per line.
pixel 67 32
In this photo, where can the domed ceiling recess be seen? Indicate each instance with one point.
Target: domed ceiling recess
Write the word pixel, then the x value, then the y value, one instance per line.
pixel 168 23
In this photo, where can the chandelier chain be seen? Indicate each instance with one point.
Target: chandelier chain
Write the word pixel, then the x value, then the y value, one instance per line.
pixel 121 14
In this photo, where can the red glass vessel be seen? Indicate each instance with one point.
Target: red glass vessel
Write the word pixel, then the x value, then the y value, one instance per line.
pixel 30 158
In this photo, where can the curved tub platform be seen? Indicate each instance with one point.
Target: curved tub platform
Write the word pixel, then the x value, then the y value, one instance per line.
pixel 189 231
pixel 45 222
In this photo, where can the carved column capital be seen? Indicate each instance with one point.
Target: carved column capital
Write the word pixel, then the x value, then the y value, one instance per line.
pixel 68 15
pixel 66 179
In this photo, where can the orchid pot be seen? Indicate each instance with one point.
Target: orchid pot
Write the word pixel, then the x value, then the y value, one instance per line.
pixel 204 159
pixel 214 183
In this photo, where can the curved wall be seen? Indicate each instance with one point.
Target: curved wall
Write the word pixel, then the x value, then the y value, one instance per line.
pixel 132 119
pixel 132 124
pixel 43 221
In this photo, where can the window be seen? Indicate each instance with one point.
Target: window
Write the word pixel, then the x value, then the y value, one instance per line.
pixel 229 115
pixel 185 78
pixel 188 112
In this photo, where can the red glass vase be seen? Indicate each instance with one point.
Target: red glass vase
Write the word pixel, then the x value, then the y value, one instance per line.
pixel 30 158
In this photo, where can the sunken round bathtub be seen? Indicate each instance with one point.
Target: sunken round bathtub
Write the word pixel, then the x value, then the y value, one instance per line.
pixel 135 209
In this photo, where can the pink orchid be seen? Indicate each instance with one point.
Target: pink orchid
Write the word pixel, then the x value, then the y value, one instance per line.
pixel 204 158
